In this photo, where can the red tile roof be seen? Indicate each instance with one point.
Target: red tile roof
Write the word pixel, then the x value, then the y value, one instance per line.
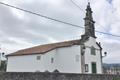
pixel 44 48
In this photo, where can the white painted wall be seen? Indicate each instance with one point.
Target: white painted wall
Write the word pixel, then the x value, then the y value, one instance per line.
pixel 47 61
pixel 93 58
pixel 26 63
pixel 64 61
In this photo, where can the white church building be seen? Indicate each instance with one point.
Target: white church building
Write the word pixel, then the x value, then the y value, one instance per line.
pixel 76 56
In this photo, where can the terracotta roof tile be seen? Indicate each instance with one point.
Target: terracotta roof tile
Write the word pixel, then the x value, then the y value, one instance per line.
pixel 44 48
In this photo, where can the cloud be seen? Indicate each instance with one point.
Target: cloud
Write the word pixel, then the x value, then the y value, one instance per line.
pixel 22 30
pixel 111 46
pixel 110 1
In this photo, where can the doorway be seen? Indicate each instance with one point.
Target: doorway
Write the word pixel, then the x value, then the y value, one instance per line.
pixel 94 67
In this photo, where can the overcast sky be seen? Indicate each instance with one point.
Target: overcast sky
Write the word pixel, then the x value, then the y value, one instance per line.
pixel 19 30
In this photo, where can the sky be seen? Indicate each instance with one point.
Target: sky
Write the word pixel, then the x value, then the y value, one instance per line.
pixel 19 30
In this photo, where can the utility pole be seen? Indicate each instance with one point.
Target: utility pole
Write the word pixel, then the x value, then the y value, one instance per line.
pixel 102 56
pixel 2 61
pixel 2 54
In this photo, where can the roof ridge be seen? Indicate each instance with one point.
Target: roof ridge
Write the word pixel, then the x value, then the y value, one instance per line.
pixel 50 44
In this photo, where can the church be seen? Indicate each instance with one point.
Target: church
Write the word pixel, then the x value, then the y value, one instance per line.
pixel 76 56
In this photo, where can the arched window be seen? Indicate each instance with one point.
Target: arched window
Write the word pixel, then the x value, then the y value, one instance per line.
pixel 56 71
pixel 93 52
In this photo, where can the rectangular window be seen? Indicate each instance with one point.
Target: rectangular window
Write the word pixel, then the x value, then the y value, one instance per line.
pixel 77 58
pixel 52 60
pixel 38 57
pixel 86 68
pixel 93 51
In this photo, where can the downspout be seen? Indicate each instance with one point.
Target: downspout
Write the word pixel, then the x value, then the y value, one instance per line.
pixel 101 57
pixel 101 60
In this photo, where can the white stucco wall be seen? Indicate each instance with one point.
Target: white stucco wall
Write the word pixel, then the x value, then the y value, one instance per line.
pixel 48 66
pixel 92 58
pixel 24 63
pixel 64 61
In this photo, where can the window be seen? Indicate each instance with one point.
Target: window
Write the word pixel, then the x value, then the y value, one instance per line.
pixel 52 60
pixel 38 57
pixel 77 58
pixel 86 67
pixel 93 51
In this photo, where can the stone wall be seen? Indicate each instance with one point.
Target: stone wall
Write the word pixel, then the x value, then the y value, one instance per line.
pixel 55 76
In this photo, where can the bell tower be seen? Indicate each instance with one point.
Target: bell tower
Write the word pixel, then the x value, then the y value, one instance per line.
pixel 89 23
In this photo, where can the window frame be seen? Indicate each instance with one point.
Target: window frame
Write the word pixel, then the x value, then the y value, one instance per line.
pixel 93 50
pixel 86 68
pixel 77 58
pixel 52 60
pixel 38 57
